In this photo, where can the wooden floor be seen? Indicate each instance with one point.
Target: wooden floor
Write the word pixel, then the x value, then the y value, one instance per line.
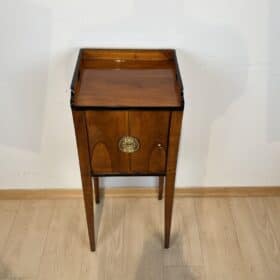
pixel 212 238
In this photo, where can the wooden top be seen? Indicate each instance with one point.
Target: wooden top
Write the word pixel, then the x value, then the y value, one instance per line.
pixel 107 78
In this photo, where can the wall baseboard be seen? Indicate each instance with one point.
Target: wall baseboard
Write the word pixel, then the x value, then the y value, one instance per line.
pixel 6 194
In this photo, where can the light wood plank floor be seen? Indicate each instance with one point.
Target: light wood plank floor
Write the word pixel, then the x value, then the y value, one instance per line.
pixel 212 238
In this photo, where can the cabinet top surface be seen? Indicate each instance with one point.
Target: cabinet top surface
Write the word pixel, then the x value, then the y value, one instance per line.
pixel 126 78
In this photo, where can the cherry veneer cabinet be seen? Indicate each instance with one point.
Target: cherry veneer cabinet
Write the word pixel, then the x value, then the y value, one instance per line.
pixel 127 108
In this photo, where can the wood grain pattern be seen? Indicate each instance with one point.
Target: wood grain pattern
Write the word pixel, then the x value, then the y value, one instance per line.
pixel 173 146
pixel 65 243
pixel 143 255
pixel 127 78
pixel 267 233
pixel 185 249
pixel 122 87
pixel 8 212
pixel 105 128
pixel 151 128
pixel 219 240
pixel 126 64
pixel 80 124
pixel 107 261
pixel 250 244
pixel 213 238
pixel 272 206
pixel 24 246
pixel 128 54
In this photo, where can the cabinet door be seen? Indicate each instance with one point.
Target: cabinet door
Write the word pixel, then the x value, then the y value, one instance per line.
pixel 105 128
pixel 151 128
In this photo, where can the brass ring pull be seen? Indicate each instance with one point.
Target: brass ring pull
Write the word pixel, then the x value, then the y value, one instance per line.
pixel 129 144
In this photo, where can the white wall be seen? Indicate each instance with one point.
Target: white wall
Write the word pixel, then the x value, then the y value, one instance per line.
pixel 229 57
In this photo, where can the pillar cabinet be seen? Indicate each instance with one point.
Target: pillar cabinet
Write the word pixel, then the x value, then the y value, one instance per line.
pixel 127 108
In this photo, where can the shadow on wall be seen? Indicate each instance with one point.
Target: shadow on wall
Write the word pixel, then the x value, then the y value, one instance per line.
pixel 25 46
pixel 273 97
pixel 213 80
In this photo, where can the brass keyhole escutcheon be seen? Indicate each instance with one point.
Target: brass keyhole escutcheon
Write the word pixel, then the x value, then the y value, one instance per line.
pixel 129 144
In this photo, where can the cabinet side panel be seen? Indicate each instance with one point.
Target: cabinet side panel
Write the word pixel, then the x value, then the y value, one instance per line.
pixel 105 128
pixel 151 128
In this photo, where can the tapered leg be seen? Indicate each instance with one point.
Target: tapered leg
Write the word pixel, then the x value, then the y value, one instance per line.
pixel 173 144
pixel 168 206
pixel 160 187
pixel 88 200
pixel 96 189
pixel 85 169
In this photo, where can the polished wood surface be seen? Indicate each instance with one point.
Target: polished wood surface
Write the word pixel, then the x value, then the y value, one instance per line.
pixel 127 78
pixel 128 106
pixel 151 128
pixel 80 124
pixel 173 146
pixel 105 128
pixel 125 87
pixel 46 239
pixel 128 54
